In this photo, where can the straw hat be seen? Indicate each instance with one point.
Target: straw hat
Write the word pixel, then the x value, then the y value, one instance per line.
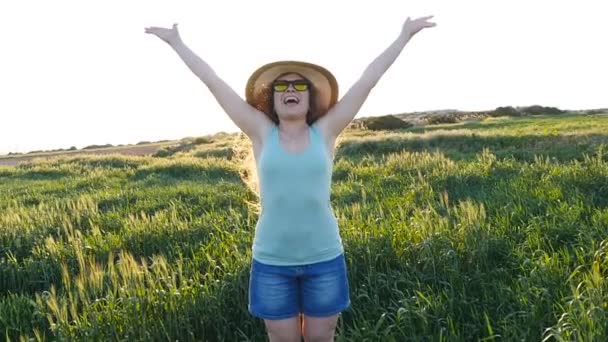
pixel 325 86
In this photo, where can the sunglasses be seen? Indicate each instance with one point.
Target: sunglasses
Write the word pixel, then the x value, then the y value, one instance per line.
pixel 299 85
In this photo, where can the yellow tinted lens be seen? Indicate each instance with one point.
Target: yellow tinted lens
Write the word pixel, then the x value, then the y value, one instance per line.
pixel 280 87
pixel 300 86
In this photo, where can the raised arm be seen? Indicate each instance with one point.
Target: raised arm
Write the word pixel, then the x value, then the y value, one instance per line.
pixel 251 121
pixel 345 110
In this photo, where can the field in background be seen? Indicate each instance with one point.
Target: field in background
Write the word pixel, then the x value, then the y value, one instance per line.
pixel 479 230
pixel 388 122
pixel 134 150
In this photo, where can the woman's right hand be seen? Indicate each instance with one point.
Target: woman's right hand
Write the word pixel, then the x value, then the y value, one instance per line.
pixel 169 36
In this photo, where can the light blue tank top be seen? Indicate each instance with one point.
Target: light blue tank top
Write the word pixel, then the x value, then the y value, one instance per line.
pixel 297 225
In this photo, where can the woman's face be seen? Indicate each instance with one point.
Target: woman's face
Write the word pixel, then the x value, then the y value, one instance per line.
pixel 291 103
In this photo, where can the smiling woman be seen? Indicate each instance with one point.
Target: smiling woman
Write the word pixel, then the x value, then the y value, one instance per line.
pixel 299 85
pixel 291 93
pixel 271 83
pixel 298 281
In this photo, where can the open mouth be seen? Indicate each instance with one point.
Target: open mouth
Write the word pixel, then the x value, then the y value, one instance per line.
pixel 291 100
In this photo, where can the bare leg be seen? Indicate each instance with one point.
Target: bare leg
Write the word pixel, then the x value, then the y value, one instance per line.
pixel 319 329
pixel 284 330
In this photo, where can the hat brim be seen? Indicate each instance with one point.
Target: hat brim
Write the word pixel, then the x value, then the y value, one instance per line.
pixel 325 86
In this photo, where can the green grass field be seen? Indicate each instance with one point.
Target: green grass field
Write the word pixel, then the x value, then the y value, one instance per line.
pixel 495 230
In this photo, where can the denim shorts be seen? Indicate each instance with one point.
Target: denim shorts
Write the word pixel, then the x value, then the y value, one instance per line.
pixel 279 292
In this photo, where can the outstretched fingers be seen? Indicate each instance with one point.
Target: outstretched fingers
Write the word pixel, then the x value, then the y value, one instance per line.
pixel 155 29
pixel 422 22
pixel 425 22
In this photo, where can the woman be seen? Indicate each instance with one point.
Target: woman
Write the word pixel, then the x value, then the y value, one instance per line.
pixel 298 281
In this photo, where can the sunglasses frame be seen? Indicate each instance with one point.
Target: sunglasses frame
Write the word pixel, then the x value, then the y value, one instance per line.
pixel 292 83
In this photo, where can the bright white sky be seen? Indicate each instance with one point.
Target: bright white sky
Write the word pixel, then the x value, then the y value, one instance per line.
pixel 74 73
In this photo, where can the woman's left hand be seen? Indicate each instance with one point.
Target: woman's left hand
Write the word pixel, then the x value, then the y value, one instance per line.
pixel 411 27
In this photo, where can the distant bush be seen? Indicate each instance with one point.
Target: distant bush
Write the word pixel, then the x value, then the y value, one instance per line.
pixel 163 152
pixel 594 111
pixel 202 140
pixel 506 111
pixel 442 119
pixel 385 122
pixel 186 140
pixel 143 143
pixel 227 153
pixel 90 147
pixel 541 110
pixel 73 148
pixel 171 150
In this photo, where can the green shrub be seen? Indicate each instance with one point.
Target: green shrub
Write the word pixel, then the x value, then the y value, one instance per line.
pixel 227 153
pixel 91 147
pixel 442 119
pixel 506 111
pixel 202 140
pixel 540 110
pixel 386 122
pixel 164 152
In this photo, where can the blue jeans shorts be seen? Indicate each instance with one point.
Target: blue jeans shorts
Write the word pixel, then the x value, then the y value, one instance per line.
pixel 279 292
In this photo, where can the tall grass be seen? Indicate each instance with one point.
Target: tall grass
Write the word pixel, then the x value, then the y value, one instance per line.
pixel 448 237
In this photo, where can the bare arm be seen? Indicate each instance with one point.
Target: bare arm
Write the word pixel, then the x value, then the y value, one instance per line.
pixel 251 121
pixel 345 110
